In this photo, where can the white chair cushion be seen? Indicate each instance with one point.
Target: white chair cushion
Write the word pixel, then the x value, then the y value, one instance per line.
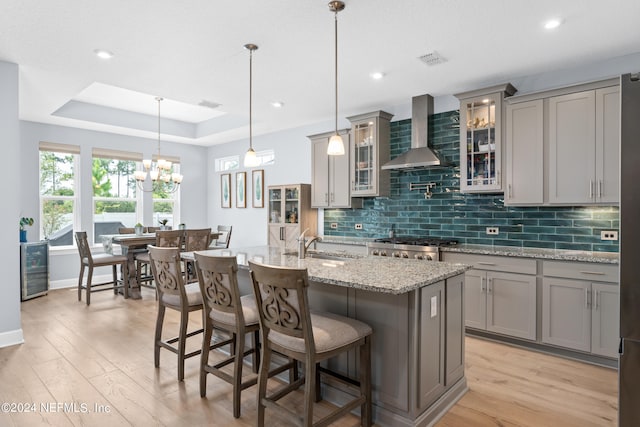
pixel 330 331
pixel 249 311
pixel 194 297
pixel 106 259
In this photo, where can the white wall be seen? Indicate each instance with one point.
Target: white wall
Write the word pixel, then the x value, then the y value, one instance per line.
pixel 10 327
pixel 64 265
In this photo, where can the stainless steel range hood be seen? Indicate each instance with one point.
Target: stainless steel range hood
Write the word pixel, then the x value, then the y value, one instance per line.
pixel 420 155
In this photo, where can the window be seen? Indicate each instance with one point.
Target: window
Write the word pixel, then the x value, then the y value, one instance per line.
pixel 266 157
pixel 58 196
pixel 116 201
pixel 227 163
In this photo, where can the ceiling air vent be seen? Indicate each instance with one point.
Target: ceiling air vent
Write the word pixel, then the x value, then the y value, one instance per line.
pixel 432 58
pixel 209 104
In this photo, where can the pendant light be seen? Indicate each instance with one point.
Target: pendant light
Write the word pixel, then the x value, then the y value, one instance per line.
pixel 250 158
pixel 336 146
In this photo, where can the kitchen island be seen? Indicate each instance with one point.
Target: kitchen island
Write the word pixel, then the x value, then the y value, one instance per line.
pixel 416 311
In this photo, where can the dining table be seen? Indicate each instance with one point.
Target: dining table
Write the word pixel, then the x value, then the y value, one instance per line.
pixel 132 244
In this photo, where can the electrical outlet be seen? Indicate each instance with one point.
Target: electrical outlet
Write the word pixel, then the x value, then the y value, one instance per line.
pixel 608 235
pixel 334 225
pixel 358 226
pixel 493 230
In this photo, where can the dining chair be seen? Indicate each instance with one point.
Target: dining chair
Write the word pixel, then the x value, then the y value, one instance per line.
pixel 174 294
pixel 164 239
pixel 222 242
pixel 195 239
pixel 126 230
pixel 90 261
pixel 288 327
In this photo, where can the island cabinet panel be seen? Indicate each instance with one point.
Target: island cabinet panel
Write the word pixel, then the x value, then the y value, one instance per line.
pixel 454 330
pixel 388 316
pixel 431 351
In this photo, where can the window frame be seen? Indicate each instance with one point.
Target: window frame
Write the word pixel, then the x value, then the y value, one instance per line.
pixel 64 149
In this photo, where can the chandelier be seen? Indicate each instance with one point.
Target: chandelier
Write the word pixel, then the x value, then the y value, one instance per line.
pixel 159 172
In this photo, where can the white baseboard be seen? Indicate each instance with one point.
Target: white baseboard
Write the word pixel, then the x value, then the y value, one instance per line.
pixel 72 283
pixel 11 338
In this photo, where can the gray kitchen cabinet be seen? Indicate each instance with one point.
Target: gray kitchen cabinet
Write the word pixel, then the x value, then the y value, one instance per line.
pixel 500 294
pixel 369 151
pixel 481 141
pixel 584 147
pixel 524 154
pixel 330 175
pixel 580 308
pixel 290 213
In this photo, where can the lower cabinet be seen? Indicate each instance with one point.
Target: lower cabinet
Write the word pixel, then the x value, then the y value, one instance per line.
pixel 499 301
pixel 581 314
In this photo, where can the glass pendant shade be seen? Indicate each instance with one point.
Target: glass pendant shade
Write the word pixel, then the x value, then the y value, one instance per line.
pixel 336 146
pixel 250 159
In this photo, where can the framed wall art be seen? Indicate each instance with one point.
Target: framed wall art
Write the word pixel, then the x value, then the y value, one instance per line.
pixel 258 188
pixel 225 190
pixel 241 189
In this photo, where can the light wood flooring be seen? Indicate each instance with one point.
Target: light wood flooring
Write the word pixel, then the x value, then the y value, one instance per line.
pixel 101 358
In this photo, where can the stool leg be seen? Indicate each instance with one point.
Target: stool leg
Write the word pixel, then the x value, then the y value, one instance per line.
pixel 204 356
pixel 237 373
pixel 89 277
pixel 317 391
pixel 182 341
pixel 114 270
pixel 255 357
pixel 158 337
pixel 310 369
pixel 263 377
pixel 365 382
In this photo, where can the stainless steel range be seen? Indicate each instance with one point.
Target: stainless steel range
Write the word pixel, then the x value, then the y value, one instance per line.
pixel 426 249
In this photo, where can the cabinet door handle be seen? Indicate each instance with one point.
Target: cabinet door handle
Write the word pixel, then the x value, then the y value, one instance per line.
pixel 281 233
pixel 587 294
pixel 482 285
pixel 485 263
pixel 326 197
pixel 591 189
pixel 596 273
pixel 490 286
pixel 509 192
pixel 600 188
pixel 596 298
pixel 333 197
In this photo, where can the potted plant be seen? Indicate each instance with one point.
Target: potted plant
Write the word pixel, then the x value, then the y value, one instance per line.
pixel 139 229
pixel 163 223
pixel 23 232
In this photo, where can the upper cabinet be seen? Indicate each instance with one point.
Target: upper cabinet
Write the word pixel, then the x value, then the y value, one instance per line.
pixel 369 151
pixel 584 148
pixel 481 128
pixel 563 146
pixel 330 174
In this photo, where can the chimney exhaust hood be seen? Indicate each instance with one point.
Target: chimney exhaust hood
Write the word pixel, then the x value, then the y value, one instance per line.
pixel 420 155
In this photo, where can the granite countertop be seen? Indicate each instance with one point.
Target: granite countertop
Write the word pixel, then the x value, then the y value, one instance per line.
pixel 538 253
pixel 385 275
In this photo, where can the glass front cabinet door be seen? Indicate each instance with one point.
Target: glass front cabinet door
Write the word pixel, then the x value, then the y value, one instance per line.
pixel 370 150
pixel 481 144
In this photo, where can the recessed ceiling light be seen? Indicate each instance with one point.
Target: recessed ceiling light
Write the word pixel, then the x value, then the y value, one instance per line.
pixel 277 104
pixel 552 23
pixel 377 75
pixel 103 54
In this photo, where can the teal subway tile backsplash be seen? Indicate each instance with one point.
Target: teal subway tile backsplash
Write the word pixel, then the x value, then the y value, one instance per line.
pixel 465 217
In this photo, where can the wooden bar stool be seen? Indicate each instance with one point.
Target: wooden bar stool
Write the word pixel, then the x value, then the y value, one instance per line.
pixel 288 327
pixel 101 260
pixel 173 294
pixel 195 239
pixel 164 239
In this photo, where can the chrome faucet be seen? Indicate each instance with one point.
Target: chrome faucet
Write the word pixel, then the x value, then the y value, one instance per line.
pixel 303 244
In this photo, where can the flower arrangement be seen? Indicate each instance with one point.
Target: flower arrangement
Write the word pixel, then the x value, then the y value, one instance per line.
pixel 25 221
pixel 163 222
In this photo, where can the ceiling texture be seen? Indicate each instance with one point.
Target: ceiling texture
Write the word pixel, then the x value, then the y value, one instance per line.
pixel 191 52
